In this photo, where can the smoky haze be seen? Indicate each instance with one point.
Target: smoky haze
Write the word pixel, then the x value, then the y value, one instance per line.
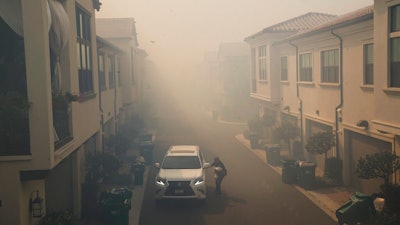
pixel 177 33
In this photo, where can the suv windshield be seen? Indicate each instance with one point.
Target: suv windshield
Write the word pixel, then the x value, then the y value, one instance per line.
pixel 181 162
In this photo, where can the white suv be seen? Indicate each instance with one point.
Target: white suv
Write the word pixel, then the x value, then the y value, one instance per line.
pixel 182 173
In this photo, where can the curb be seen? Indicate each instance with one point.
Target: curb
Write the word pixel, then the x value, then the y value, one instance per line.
pixel 137 200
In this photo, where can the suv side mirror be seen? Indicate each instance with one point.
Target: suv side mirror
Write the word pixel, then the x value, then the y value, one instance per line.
pixel 157 165
pixel 206 165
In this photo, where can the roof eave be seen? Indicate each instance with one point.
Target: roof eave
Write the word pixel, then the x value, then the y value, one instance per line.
pixel 327 28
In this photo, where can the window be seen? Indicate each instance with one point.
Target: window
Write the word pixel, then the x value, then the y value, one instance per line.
pixel 262 63
pixel 305 67
pixel 330 66
pixel 395 62
pixel 181 162
pixel 394 76
pixel 284 68
pixel 102 75
pixel 253 71
pixel 84 51
pixel 111 72
pixel 133 66
pixel 395 18
pixel 369 64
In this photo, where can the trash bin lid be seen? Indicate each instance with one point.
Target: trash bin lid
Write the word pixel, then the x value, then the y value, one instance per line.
pixel 302 164
pixel 358 196
pixel 288 162
pixel 120 191
pixel 273 147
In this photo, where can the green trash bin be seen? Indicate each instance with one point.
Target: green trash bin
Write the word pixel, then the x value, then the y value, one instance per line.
pixel 289 173
pixel 273 154
pixel 357 210
pixel 306 174
pixel 253 140
pixel 116 203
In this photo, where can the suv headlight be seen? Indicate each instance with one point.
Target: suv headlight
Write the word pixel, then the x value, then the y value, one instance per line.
pixel 198 181
pixel 161 181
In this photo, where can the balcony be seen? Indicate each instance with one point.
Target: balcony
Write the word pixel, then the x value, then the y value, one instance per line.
pixel 14 124
pixel 61 122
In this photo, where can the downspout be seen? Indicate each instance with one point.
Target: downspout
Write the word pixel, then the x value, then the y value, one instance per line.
pixel 395 138
pixel 115 92
pixel 338 108
pixel 298 94
pixel 101 111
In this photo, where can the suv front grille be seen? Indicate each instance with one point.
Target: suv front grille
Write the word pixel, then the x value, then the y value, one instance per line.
pixel 179 188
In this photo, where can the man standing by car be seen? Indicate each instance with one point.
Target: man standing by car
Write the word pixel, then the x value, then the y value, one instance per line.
pixel 220 173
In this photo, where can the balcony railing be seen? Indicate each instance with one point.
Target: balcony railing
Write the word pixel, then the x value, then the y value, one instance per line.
pixel 14 136
pixel 62 124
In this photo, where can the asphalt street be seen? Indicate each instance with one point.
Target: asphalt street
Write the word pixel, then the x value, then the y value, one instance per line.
pixel 253 193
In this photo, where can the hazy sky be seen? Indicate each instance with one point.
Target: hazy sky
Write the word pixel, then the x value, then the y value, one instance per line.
pixel 176 33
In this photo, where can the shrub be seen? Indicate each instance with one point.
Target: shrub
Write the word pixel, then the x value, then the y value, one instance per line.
pixel 320 143
pixel 100 165
pixel 379 165
pixel 59 218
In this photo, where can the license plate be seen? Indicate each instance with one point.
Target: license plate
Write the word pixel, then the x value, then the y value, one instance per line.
pixel 178 191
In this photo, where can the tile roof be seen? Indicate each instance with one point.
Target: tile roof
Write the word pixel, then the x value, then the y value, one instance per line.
pixel 110 28
pixel 294 25
pixel 101 42
pixel 303 22
pixel 342 20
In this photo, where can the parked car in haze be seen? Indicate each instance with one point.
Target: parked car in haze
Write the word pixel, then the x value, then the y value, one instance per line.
pixel 181 174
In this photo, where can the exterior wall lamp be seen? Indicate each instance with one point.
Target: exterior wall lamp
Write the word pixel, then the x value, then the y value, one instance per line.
pixel 36 204
pixel 286 108
pixel 363 123
pixel 317 112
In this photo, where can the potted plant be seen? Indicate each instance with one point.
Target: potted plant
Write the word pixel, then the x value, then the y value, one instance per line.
pixel 59 218
pixel 319 144
pixel 287 132
pixel 66 98
pixel 255 127
pixel 382 165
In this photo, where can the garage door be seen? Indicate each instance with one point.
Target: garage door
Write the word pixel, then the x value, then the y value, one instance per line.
pixel 361 145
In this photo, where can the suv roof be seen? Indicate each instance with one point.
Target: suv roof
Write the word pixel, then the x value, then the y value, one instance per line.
pixel 183 150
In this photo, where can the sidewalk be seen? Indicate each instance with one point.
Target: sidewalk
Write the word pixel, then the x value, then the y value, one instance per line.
pixel 138 193
pixel 328 199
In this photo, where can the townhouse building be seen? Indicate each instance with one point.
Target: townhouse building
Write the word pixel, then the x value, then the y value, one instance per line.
pixel 386 74
pixel 110 88
pixel 225 77
pixel 61 92
pixel 329 88
pixel 232 84
pixel 207 80
pixel 334 77
pixel 122 33
pixel 266 83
